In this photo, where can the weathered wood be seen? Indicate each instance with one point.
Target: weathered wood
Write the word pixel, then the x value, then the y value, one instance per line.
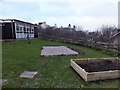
pixel 103 75
pixel 79 70
pixel 93 76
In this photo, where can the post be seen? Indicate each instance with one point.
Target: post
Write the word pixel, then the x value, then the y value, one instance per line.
pixel 28 38
pixel 12 28
pixel 118 46
pixel 118 29
pixel 1 51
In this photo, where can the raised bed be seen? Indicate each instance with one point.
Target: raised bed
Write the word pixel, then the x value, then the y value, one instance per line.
pixel 93 69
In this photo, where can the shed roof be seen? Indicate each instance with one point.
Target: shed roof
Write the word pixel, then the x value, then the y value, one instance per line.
pixel 16 20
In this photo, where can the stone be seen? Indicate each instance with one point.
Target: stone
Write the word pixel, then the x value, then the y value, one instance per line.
pixel 28 74
pixel 2 82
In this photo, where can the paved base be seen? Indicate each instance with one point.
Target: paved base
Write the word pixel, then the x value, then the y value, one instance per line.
pixel 57 50
pixel 28 74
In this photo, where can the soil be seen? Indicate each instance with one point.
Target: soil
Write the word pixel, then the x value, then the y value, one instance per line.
pixel 99 65
pixel 77 50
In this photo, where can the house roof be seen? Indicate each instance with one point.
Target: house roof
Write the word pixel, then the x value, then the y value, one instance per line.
pixel 16 20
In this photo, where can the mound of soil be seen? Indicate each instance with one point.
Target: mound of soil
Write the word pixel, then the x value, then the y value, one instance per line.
pixel 100 65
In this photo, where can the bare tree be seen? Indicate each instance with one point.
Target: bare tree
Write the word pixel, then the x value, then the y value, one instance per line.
pixel 107 32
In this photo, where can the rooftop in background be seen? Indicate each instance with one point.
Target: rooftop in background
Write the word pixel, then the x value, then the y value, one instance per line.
pixel 15 20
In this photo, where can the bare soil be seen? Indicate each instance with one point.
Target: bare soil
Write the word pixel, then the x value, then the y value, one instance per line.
pixel 77 50
pixel 99 65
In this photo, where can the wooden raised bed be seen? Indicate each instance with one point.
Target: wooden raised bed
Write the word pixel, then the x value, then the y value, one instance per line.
pixel 83 68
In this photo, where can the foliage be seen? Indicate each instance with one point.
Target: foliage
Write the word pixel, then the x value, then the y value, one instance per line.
pixel 103 34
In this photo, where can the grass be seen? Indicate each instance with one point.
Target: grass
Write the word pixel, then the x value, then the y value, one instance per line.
pixel 53 72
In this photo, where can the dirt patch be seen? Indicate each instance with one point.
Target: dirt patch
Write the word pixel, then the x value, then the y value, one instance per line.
pixel 99 65
pixel 79 51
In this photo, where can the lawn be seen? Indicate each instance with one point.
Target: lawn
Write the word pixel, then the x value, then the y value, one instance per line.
pixel 53 72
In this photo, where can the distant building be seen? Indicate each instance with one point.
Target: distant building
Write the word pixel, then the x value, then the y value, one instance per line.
pixel 17 29
pixel 55 26
pixel 68 28
pixel 43 25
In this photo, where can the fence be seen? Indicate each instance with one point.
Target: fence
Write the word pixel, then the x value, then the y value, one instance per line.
pixel 109 47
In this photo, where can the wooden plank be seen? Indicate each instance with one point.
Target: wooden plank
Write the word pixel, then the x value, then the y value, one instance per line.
pixel 84 59
pixel 103 75
pixel 79 70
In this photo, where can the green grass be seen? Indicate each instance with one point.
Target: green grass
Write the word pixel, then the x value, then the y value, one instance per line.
pixel 53 72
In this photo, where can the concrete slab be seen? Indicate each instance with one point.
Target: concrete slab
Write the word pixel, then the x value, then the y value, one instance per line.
pixel 57 50
pixel 28 74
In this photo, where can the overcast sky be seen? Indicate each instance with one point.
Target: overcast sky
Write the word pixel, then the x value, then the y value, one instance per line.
pixel 90 14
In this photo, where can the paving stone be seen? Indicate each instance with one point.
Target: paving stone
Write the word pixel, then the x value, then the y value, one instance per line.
pixel 2 82
pixel 57 50
pixel 28 74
